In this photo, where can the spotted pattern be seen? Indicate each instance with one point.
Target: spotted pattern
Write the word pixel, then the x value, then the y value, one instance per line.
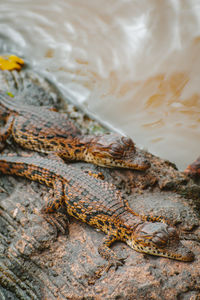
pixel 100 205
pixel 47 131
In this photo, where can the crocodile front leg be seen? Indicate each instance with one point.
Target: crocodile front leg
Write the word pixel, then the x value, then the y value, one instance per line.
pixel 53 202
pixel 6 131
pixel 110 255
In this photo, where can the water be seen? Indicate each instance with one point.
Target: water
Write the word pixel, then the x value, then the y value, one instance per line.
pixel 134 64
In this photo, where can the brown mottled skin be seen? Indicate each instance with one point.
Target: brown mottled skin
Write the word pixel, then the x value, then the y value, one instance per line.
pixel 47 131
pixel 100 205
pixel 194 168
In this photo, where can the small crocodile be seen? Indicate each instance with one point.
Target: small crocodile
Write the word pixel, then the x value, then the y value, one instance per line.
pixel 44 130
pixel 100 205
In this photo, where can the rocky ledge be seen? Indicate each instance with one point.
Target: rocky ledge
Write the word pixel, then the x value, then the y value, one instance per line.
pixel 37 264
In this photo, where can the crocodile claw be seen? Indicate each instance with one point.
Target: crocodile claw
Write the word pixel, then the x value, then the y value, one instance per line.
pixel 115 262
pixel 59 221
pixel 2 145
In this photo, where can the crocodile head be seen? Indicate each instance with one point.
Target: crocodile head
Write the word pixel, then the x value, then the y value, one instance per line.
pixel 159 239
pixel 114 150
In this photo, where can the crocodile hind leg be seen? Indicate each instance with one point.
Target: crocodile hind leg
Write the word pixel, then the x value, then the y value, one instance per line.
pixel 110 255
pixel 98 175
pixel 6 131
pixel 53 201
pixel 147 218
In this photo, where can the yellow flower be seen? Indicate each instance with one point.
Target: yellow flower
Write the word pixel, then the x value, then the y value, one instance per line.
pixel 11 62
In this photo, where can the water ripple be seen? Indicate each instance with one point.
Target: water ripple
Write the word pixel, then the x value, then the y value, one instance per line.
pixel 131 63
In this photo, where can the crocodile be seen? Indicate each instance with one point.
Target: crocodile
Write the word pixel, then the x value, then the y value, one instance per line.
pixel 100 205
pixel 48 131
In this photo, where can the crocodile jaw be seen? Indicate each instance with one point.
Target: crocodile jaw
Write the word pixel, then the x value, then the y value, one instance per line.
pixel 159 239
pixel 176 251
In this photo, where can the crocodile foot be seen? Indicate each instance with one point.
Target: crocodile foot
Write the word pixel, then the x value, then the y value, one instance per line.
pixel 115 262
pixel 105 268
pixel 2 146
pixel 58 220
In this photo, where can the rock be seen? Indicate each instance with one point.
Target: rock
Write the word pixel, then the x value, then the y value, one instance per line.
pixel 37 264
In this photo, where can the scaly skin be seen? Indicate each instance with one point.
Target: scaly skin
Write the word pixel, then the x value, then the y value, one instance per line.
pixel 47 131
pixel 100 205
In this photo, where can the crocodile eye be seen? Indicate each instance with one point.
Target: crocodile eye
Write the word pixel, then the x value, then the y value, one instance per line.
pixel 160 239
pixel 172 231
pixel 157 241
pixel 116 147
pixel 116 150
pixel 128 142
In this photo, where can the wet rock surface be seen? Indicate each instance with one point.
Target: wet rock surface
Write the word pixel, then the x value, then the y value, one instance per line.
pixel 35 263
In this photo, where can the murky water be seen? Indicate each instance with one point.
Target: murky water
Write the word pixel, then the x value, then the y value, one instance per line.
pixel 134 64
